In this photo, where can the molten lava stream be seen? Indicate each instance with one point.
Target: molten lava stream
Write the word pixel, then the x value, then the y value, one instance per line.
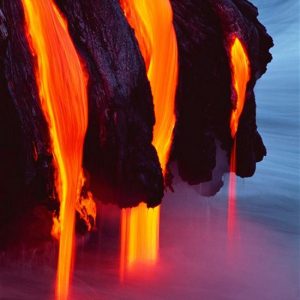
pixel 62 88
pixel 232 193
pixel 152 21
pixel 240 77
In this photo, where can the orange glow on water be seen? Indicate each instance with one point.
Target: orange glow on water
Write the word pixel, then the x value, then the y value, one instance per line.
pixel 152 21
pixel 62 88
pixel 240 77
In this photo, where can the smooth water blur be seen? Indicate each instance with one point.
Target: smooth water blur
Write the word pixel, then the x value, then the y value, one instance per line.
pixel 197 259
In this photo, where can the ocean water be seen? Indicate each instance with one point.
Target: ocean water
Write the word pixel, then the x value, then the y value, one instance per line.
pixel 200 258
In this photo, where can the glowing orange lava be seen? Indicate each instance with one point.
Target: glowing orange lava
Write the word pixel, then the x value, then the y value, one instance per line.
pixel 240 77
pixel 140 233
pixel 62 88
pixel 232 193
pixel 152 21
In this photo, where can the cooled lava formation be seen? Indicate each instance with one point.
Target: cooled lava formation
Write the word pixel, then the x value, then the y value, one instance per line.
pixel 119 161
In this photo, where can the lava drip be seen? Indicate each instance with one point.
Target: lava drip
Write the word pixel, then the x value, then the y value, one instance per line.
pixel 62 87
pixel 152 22
pixel 240 66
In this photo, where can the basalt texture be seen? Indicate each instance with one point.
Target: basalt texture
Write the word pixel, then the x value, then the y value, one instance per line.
pixel 205 30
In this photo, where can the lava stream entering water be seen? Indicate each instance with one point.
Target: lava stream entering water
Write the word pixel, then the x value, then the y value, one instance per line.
pixel 62 88
pixel 152 21
pixel 240 77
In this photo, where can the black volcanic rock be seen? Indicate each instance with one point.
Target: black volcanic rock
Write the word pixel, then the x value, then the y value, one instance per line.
pixel 203 105
pixel 26 173
pixel 122 163
pixel 239 18
pixel 204 88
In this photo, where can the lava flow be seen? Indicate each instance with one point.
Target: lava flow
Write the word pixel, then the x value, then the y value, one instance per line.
pixel 152 21
pixel 240 77
pixel 62 88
